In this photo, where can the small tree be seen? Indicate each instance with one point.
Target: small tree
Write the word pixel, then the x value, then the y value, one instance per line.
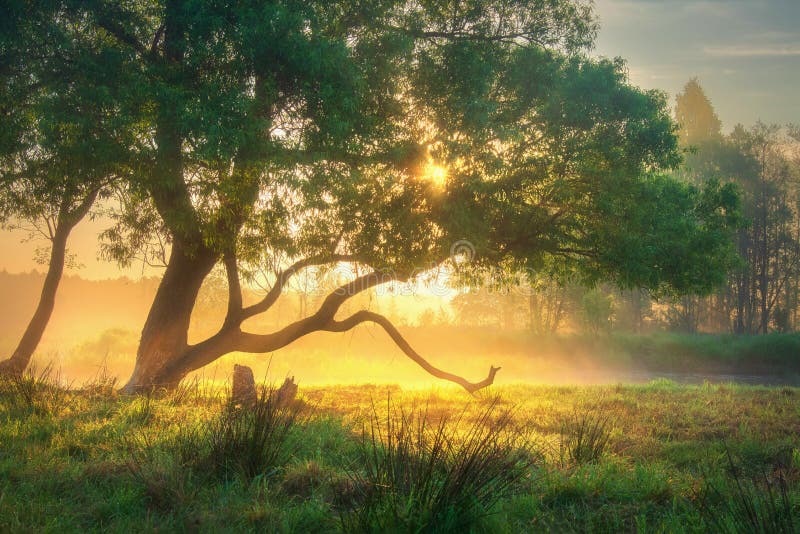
pixel 696 116
pixel 59 148
pixel 597 311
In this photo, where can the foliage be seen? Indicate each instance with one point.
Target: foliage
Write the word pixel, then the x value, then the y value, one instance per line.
pixel 266 135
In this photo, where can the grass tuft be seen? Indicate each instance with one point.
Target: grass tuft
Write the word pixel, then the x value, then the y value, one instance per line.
pixel 420 475
pixel 102 385
pixel 164 475
pixel 141 411
pixel 251 441
pixel 33 392
pixel 584 438
pixel 752 505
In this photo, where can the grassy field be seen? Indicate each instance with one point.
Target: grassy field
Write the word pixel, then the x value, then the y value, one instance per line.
pixel 653 458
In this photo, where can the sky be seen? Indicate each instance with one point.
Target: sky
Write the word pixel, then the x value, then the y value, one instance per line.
pixel 746 54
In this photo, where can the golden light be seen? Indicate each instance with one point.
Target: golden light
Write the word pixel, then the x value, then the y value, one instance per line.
pixel 435 174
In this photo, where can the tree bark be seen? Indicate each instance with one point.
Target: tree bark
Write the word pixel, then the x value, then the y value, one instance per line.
pixel 165 332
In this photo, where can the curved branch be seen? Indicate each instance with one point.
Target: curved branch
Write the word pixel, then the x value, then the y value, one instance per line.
pixel 319 320
pixel 367 316
pixel 283 279
pixel 231 338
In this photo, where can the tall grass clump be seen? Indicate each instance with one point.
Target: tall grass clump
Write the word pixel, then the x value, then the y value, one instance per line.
pixel 164 471
pixel 418 475
pixel 251 440
pixel 141 411
pixel 102 386
pixel 33 392
pixel 584 438
pixel 238 441
pixel 753 505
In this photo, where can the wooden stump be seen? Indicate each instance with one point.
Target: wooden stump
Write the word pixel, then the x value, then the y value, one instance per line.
pixel 245 395
pixel 285 394
pixel 244 387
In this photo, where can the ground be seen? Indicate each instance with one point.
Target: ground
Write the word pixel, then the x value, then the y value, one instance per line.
pixel 660 457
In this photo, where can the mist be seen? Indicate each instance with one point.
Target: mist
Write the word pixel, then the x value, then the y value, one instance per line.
pixel 556 336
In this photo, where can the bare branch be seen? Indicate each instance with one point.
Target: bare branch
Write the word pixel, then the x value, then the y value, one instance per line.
pixel 368 316
pixel 283 278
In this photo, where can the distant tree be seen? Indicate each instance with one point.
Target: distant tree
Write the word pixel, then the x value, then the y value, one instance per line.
pixel 502 307
pixel 380 134
pixel 696 116
pixel 633 309
pixel 427 318
pixel 761 294
pixel 684 314
pixel 770 245
pixel 597 310
pixel 551 302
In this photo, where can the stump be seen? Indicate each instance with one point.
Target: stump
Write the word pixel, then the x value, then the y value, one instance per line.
pixel 285 394
pixel 244 387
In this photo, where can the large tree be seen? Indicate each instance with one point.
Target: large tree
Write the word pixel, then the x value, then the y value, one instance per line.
pixel 379 134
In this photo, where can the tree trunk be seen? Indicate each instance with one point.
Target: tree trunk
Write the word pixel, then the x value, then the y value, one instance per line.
pixel 21 357
pixel 165 333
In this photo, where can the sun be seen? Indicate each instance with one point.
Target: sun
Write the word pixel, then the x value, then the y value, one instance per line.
pixel 435 174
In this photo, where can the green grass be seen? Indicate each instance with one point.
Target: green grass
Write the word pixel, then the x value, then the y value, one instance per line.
pixel 653 458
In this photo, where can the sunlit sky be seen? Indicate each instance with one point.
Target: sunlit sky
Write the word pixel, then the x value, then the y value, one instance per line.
pixel 746 54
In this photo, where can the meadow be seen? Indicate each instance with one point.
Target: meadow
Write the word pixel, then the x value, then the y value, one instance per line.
pixel 659 457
